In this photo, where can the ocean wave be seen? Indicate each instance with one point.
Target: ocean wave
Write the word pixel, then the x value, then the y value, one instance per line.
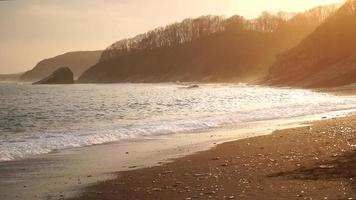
pixel 46 143
pixel 56 117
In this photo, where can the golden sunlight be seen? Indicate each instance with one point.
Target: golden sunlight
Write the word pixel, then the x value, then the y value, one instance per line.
pixel 177 99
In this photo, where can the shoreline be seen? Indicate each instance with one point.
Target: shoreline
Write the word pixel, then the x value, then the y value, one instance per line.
pixel 67 172
pixel 311 162
pixel 64 174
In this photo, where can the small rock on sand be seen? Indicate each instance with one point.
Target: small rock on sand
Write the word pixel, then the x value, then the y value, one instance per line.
pixel 216 158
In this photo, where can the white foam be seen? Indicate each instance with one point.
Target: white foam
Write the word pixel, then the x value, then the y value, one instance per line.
pixel 254 104
pixel 48 143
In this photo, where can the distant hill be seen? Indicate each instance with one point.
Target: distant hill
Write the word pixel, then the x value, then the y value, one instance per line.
pixel 10 77
pixel 208 48
pixel 326 58
pixel 78 62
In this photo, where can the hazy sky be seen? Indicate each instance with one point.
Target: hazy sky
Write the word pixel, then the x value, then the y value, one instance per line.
pixel 32 30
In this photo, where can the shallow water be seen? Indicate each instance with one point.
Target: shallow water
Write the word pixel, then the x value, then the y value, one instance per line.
pixel 37 119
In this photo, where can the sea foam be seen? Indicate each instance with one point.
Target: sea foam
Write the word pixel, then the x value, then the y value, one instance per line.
pixel 61 117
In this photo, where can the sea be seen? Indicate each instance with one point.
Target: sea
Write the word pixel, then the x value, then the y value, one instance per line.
pixel 40 119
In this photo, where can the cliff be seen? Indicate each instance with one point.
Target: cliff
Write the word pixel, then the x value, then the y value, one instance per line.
pixel 326 58
pixel 78 62
pixel 208 48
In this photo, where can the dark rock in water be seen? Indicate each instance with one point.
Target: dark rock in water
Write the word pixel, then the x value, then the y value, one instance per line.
pixel 78 62
pixel 62 75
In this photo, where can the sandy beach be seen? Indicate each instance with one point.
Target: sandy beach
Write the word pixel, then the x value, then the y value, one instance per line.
pixel 184 156
pixel 186 100
pixel 64 174
pixel 312 162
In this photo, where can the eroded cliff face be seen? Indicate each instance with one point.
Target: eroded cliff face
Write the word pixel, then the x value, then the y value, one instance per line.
pixel 78 62
pixel 326 58
pixel 209 48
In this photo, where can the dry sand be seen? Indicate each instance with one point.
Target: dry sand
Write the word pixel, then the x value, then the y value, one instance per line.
pixel 314 162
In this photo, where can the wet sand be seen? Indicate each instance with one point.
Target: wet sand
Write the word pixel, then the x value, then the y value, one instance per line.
pixel 67 173
pixel 341 91
pixel 312 162
pixel 64 174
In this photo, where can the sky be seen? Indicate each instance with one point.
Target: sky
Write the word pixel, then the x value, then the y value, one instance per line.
pixel 32 30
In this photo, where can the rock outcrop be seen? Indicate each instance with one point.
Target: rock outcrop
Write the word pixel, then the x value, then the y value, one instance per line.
pixel 62 75
pixel 78 62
